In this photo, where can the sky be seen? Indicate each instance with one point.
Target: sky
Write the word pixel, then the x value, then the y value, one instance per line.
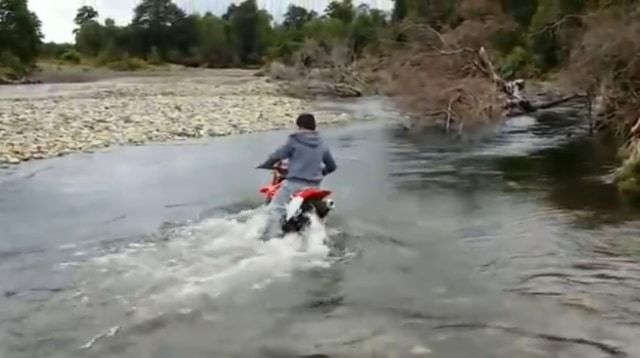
pixel 57 15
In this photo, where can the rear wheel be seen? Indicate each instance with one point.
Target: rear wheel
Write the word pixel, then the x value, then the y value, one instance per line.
pixel 319 207
pixel 301 221
pixel 296 224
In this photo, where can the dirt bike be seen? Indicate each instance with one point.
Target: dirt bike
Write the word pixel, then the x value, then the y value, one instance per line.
pixel 306 202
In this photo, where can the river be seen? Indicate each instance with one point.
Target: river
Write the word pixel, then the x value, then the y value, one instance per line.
pixel 508 243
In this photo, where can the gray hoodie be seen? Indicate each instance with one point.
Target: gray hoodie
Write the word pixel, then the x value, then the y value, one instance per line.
pixel 309 158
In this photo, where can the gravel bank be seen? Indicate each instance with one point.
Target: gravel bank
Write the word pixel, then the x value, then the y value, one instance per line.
pixel 43 121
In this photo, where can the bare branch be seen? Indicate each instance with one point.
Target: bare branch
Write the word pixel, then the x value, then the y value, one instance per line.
pixel 556 24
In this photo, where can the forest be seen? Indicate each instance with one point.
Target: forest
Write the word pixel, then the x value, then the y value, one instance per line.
pixel 535 36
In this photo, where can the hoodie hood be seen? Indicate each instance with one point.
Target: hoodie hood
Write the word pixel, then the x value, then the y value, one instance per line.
pixel 308 138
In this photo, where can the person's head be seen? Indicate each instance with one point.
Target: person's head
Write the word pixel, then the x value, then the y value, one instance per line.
pixel 306 121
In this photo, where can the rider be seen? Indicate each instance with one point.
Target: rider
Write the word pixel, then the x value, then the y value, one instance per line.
pixel 309 161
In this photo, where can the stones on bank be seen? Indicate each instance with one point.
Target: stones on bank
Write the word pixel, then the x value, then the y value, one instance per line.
pixel 87 117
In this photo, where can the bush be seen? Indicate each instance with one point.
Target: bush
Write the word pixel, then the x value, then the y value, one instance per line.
pixel 71 56
pixel 52 50
pixel 128 64
pixel 505 40
pixel 154 57
pixel 107 57
pixel 11 66
pixel 518 63
pixel 174 56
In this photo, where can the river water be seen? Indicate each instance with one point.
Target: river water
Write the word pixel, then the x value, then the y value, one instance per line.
pixel 506 243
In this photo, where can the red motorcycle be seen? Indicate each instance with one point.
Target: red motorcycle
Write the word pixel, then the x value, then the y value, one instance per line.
pixel 306 202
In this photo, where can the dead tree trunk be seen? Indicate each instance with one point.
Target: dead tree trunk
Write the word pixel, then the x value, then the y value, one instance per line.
pixel 517 103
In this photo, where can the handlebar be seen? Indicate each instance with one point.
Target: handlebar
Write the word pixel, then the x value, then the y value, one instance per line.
pixel 280 167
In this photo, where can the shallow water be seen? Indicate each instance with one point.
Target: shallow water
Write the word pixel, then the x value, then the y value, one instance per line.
pixel 508 243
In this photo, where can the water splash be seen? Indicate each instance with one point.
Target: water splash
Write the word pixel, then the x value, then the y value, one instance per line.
pixel 201 261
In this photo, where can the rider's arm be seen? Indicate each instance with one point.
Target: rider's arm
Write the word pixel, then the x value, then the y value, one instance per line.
pixel 281 153
pixel 330 165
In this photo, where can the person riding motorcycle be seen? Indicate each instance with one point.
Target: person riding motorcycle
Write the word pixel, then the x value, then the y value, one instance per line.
pixel 308 159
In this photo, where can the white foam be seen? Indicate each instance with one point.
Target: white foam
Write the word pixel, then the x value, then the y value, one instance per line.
pixel 206 259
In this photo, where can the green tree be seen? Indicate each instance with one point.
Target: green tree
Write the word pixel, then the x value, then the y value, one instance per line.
pixel 551 40
pixel 230 10
pixel 343 11
pixel 84 15
pixel 569 7
pixel 152 25
pixel 251 30
pixel 19 31
pixel 365 28
pixel 297 16
pixel 324 29
pixel 521 10
pixel 90 34
pixel 363 32
pixel 436 12
pixel 54 50
pixel 400 10
pixel 112 32
pixel 213 44
pixel 285 42
pixel 184 35
pixel 378 17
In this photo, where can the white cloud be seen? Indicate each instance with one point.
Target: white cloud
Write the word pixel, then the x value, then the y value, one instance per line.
pixel 57 15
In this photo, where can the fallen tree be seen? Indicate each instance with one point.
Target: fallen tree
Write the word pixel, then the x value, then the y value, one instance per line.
pixel 444 78
pixel 605 63
pixel 449 78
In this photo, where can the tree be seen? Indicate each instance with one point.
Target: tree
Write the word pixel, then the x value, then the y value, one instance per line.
pixel 343 11
pixel 378 17
pixel 184 38
pixel 297 16
pixel 152 25
pixel 362 32
pixel 364 28
pixel 521 10
pixel 151 14
pixel 54 50
pixel 90 34
pixel 213 44
pixel 400 10
pixel 19 31
pixel 84 15
pixel 230 10
pixel 251 30
pixel 325 29
pixel 90 38
pixel 436 12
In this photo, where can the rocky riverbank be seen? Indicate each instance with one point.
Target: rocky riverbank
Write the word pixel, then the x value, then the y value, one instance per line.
pixel 53 120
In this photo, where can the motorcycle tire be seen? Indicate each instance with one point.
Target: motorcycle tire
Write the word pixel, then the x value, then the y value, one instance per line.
pixel 296 224
pixel 319 207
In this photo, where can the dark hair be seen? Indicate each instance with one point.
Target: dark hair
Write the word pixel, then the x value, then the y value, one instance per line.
pixel 306 121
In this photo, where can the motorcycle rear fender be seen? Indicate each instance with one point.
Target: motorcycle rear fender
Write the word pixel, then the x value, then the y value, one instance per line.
pixel 313 194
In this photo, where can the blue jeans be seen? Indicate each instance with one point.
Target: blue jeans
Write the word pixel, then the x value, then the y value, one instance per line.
pixel 277 206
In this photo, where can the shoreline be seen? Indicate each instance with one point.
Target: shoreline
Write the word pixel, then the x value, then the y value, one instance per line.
pixel 51 120
pixel 52 73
